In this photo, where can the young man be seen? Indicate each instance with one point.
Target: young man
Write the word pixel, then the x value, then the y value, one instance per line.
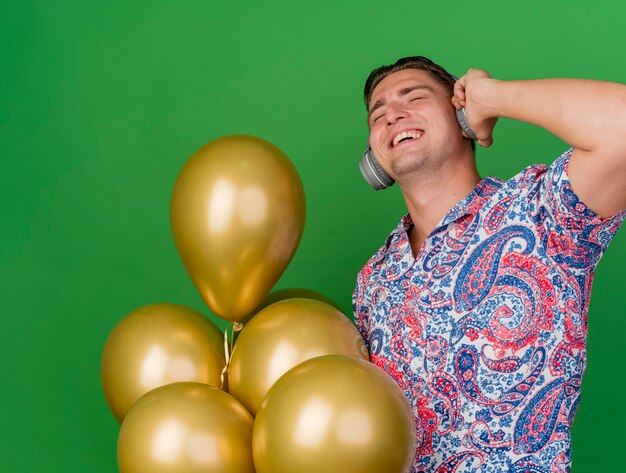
pixel 477 303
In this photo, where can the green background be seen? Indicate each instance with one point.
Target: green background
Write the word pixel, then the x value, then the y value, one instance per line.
pixel 102 102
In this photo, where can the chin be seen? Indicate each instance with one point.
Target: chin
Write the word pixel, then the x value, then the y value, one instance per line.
pixel 409 163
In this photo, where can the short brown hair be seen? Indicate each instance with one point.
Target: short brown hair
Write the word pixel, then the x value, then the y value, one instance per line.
pixel 437 72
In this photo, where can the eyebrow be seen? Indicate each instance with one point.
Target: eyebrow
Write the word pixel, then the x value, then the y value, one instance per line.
pixel 401 93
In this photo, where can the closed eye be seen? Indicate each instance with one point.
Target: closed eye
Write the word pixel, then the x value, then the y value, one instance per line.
pixel 376 117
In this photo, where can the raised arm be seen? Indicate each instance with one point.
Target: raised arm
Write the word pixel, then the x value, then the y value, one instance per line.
pixel 589 115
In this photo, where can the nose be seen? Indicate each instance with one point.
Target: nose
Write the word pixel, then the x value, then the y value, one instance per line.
pixel 394 113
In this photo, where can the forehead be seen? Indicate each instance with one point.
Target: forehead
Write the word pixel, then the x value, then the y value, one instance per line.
pixel 396 81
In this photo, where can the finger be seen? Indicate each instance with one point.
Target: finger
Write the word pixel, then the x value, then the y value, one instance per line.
pixel 486 143
pixel 459 88
pixel 459 97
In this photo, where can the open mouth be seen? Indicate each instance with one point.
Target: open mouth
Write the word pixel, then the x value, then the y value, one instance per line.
pixel 403 137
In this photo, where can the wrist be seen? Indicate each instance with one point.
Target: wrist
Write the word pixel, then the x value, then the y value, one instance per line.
pixel 487 97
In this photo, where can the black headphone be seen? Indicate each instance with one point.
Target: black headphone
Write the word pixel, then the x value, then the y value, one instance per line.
pixel 376 176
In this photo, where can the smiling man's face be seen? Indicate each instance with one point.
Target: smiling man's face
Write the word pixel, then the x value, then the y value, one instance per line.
pixel 412 122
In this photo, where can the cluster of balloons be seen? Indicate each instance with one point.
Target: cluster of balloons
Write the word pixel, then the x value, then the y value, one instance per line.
pixel 296 392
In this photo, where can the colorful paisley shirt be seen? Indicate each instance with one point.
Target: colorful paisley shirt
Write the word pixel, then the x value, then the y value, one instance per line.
pixel 485 330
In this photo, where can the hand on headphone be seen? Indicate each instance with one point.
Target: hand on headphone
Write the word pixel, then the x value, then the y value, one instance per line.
pixel 470 93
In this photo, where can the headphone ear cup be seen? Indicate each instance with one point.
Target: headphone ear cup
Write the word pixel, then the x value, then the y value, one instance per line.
pixel 373 173
pixel 462 119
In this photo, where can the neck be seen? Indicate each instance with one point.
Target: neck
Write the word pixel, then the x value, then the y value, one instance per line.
pixel 430 196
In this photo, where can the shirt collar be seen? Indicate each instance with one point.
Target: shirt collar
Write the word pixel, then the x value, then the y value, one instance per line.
pixel 470 205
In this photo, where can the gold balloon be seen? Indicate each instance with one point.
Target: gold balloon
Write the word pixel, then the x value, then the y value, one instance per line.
pixel 334 414
pixel 282 335
pixel 296 293
pixel 237 215
pixel 155 345
pixel 186 427
pixel 288 293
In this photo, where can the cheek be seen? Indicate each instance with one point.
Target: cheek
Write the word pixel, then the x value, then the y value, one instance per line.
pixel 376 139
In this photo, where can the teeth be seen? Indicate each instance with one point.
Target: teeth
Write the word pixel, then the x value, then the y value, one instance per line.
pixel 406 134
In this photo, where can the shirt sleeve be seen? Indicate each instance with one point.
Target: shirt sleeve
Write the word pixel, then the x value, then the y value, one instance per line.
pixel 362 295
pixel 359 307
pixel 575 236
